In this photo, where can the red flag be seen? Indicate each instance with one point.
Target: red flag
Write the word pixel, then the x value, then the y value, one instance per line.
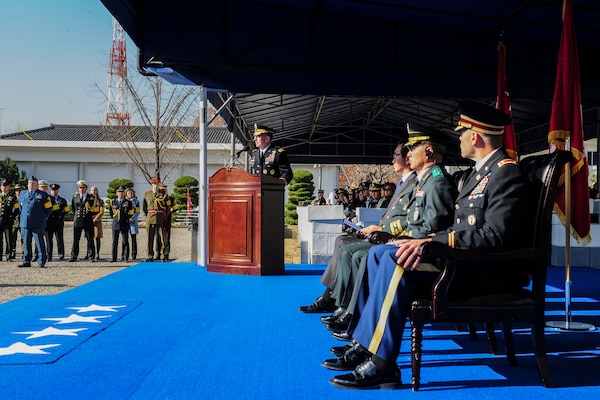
pixel 509 140
pixel 567 122
pixel 189 203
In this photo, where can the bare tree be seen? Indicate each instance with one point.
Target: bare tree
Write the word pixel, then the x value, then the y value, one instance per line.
pixel 166 111
pixel 353 174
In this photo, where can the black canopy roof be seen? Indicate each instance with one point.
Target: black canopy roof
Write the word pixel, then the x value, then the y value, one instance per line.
pixel 340 78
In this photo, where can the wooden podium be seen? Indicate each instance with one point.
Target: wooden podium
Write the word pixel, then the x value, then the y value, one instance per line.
pixel 245 223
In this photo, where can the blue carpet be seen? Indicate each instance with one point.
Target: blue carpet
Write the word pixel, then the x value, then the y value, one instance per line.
pixel 175 331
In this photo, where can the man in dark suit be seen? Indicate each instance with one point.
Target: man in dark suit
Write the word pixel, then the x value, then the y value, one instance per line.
pixel 325 303
pixel 489 212
pixel 82 205
pixel 35 209
pixel 267 159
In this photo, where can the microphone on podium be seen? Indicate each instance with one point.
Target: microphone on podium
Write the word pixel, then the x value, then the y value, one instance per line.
pixel 246 148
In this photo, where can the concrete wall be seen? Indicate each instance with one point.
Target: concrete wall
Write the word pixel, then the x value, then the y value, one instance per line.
pixel 318 227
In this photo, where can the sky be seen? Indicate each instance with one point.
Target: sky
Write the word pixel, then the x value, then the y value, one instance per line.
pixel 52 53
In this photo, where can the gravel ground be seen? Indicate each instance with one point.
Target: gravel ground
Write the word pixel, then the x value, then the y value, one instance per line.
pixel 60 276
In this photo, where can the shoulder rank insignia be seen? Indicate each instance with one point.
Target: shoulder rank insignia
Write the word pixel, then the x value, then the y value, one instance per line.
pixel 280 150
pixel 437 171
pixel 502 163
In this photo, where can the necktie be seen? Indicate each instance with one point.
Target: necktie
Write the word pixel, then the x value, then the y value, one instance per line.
pixel 398 187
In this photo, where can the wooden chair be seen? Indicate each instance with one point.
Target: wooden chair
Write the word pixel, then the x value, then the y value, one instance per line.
pixel 524 306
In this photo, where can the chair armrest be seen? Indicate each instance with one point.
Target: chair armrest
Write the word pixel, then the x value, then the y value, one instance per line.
pixel 445 259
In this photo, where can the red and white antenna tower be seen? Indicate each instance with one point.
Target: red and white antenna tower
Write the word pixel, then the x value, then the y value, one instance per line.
pixel 117 109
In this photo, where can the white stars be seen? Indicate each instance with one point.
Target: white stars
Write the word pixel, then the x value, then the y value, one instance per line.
pixel 95 307
pixel 73 318
pixel 87 324
pixel 22 348
pixel 50 331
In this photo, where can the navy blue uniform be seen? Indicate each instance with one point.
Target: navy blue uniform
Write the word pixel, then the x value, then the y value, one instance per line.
pixel 35 209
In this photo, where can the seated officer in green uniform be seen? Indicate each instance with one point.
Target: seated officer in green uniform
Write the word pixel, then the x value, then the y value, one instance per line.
pixel 428 209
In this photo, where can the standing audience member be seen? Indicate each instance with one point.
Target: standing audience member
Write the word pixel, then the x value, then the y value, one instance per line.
pixel 98 212
pixel 35 209
pixel 56 223
pixel 16 231
pixel 42 186
pixel 267 159
pixel 9 207
pixel 82 205
pixel 133 221
pixel 320 200
pixel 167 224
pixel 155 206
pixel 121 211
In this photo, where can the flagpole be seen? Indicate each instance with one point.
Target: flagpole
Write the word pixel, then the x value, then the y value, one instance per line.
pixel 568 324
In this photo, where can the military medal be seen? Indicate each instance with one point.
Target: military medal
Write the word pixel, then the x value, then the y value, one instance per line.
pixel 416 215
pixel 272 172
pixel 471 220
pixel 264 171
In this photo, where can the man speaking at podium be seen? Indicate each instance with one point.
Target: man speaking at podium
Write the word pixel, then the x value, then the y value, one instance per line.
pixel 267 159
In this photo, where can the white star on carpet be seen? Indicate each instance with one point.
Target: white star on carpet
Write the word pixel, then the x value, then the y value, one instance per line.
pixel 50 331
pixel 95 307
pixel 20 347
pixel 76 318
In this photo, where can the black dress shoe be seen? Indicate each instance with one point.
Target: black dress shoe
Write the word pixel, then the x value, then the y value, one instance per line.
pixel 24 265
pixel 61 258
pixel 319 306
pixel 43 266
pixel 339 351
pixel 341 324
pixel 368 376
pixel 343 336
pixel 72 259
pixel 330 318
pixel 112 261
pixel 355 356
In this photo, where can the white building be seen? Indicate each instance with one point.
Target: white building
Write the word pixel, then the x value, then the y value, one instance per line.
pixel 64 154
